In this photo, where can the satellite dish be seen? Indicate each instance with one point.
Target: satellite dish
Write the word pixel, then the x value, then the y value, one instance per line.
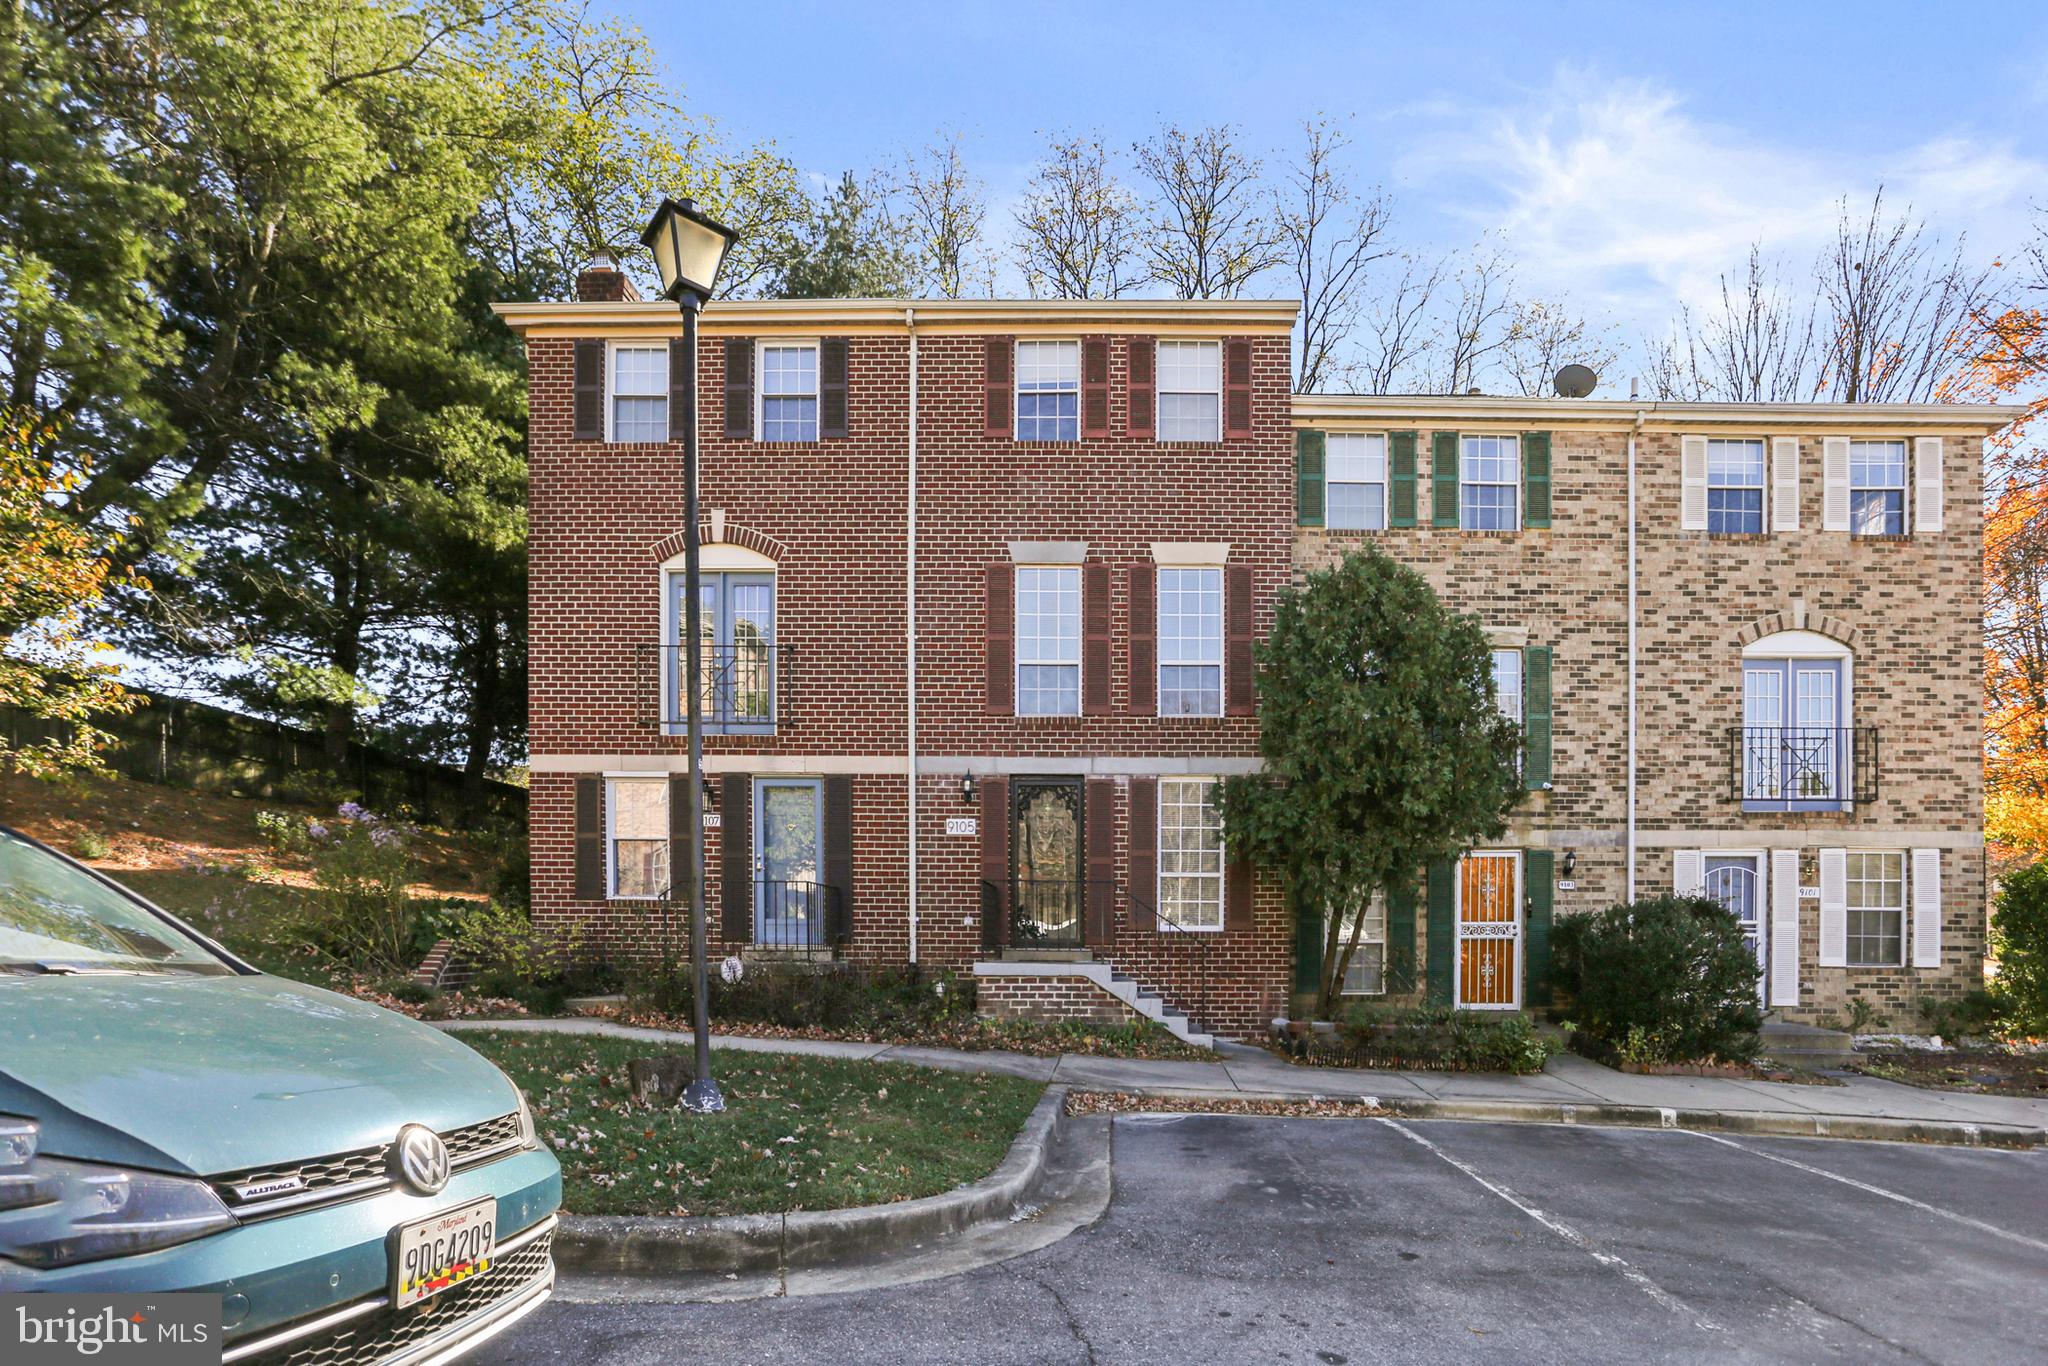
pixel 1575 381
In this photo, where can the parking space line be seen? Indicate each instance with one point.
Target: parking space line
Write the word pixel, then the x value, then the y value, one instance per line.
pixel 1565 1231
pixel 2022 1239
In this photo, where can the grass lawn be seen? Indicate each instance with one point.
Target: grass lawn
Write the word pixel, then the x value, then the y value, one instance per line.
pixel 798 1133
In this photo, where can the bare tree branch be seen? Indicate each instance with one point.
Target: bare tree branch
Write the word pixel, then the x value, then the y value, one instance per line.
pixel 1076 224
pixel 1331 236
pixel 1210 233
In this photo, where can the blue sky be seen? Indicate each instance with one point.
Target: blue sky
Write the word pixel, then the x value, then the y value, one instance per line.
pixel 1627 152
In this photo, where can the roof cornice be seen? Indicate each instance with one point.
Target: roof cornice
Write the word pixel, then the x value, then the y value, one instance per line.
pixel 657 317
pixel 1428 410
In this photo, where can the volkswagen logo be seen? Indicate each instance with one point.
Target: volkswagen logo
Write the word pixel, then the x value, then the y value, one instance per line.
pixel 420 1159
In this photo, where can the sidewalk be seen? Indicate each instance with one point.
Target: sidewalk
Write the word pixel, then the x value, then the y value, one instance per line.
pixel 1569 1089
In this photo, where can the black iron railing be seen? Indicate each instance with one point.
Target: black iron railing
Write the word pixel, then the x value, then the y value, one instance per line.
pixel 747 688
pixel 1803 767
pixel 799 916
pixel 1021 921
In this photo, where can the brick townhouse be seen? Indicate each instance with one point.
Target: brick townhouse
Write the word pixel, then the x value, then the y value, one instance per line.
pixel 981 585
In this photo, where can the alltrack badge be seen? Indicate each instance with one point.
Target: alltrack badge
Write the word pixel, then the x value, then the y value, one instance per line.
pixel 420 1159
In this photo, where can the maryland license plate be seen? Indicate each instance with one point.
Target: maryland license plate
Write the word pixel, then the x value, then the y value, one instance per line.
pixel 434 1254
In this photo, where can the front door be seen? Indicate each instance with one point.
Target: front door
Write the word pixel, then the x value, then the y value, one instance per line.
pixel 1490 931
pixel 1737 883
pixel 1045 862
pixel 789 904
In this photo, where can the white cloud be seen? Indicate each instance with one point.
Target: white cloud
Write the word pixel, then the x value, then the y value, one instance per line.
pixel 1611 191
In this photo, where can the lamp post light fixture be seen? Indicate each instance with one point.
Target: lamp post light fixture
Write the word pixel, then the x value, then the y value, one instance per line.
pixel 688 250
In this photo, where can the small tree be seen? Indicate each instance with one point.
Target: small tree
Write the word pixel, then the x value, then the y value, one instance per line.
pixel 2019 941
pixel 1382 741
pixel 1664 979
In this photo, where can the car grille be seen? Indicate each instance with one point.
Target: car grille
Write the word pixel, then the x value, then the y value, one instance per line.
pixel 385 1333
pixel 361 1172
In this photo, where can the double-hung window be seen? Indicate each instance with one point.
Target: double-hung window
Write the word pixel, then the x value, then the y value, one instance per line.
pixel 1049 640
pixel 1191 642
pixel 639 409
pixel 1489 479
pixel 1876 888
pixel 789 391
pixel 636 837
pixel 1507 688
pixel 1877 488
pixel 1735 486
pixel 1356 476
pixel 1190 854
pixel 1048 391
pixel 1190 391
pixel 1366 974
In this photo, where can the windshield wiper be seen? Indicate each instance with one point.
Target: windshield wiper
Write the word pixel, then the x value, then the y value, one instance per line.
pixel 44 967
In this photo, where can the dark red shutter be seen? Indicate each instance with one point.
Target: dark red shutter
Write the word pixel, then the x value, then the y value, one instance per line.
pixel 1001 599
pixel 1144 640
pixel 682 388
pixel 679 846
pixel 736 857
pixel 1145 854
pixel 999 403
pixel 1095 386
pixel 1237 894
pixel 838 858
pixel 1098 809
pixel 589 408
pixel 590 838
pixel 1095 640
pixel 1141 399
pixel 995 861
pixel 739 388
pixel 1237 640
pixel 832 387
pixel 1237 387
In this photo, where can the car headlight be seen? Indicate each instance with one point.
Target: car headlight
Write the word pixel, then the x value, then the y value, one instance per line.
pixel 54 1211
pixel 527 1130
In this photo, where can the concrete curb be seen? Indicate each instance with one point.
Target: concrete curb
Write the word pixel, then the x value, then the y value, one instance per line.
pixel 754 1244
pixel 1760 1123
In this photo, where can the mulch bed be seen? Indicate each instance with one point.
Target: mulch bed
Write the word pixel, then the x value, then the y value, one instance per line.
pixel 1987 1071
pixel 1734 1071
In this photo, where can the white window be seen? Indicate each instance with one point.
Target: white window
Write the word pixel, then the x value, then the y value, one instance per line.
pixel 1877 488
pixel 1877 909
pixel 789 391
pixel 1049 641
pixel 1048 391
pixel 639 393
pixel 636 836
pixel 1191 642
pixel 1190 854
pixel 1489 480
pixel 1190 391
pixel 1356 474
pixel 1735 486
pixel 1366 974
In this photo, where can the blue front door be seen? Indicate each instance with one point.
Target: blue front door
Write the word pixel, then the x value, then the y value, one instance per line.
pixel 789 903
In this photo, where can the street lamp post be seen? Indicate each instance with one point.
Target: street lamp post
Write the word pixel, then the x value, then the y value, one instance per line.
pixel 688 250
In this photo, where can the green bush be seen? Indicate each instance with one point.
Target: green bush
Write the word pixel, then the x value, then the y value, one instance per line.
pixel 362 864
pixel 1666 979
pixel 2019 941
pixel 1434 1038
pixel 840 996
pixel 91 845
pixel 1972 1015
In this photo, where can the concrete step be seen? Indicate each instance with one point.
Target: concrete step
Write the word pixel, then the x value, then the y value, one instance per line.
pixel 1807 1045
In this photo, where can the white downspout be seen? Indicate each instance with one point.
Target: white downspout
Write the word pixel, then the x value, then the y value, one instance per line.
pixel 910 627
pixel 1634 432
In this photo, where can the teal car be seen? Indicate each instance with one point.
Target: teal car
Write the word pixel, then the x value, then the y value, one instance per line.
pixel 356 1186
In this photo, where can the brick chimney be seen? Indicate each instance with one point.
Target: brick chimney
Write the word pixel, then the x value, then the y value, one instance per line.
pixel 602 282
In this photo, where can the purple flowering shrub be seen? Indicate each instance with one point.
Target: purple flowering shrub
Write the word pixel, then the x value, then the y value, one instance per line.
pixel 362 864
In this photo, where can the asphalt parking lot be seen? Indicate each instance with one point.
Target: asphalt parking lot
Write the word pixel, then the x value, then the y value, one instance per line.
pixel 1336 1241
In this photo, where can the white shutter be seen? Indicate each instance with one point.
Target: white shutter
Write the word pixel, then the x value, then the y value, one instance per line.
pixel 1692 472
pixel 1834 908
pixel 1927 908
pixel 1927 484
pixel 1834 462
pixel 1785 484
pixel 1784 927
pixel 1688 872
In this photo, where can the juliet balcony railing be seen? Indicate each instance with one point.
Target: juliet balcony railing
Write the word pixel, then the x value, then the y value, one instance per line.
pixel 1803 768
pixel 747 688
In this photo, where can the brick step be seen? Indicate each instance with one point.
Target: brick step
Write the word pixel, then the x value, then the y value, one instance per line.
pixel 1119 986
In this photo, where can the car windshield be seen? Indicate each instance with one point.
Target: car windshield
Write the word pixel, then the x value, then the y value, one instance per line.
pixel 55 918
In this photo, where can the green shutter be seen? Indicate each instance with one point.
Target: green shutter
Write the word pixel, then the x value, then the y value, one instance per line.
pixel 1401 479
pixel 1536 707
pixel 1308 477
pixel 1442 931
pixel 1443 474
pixel 1308 945
pixel 1538 873
pixel 1536 479
pixel 1401 936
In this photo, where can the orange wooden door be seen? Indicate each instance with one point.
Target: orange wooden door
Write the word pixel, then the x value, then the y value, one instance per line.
pixel 1489 932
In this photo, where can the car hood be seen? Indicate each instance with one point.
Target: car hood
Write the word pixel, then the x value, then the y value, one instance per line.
pixel 214 1074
